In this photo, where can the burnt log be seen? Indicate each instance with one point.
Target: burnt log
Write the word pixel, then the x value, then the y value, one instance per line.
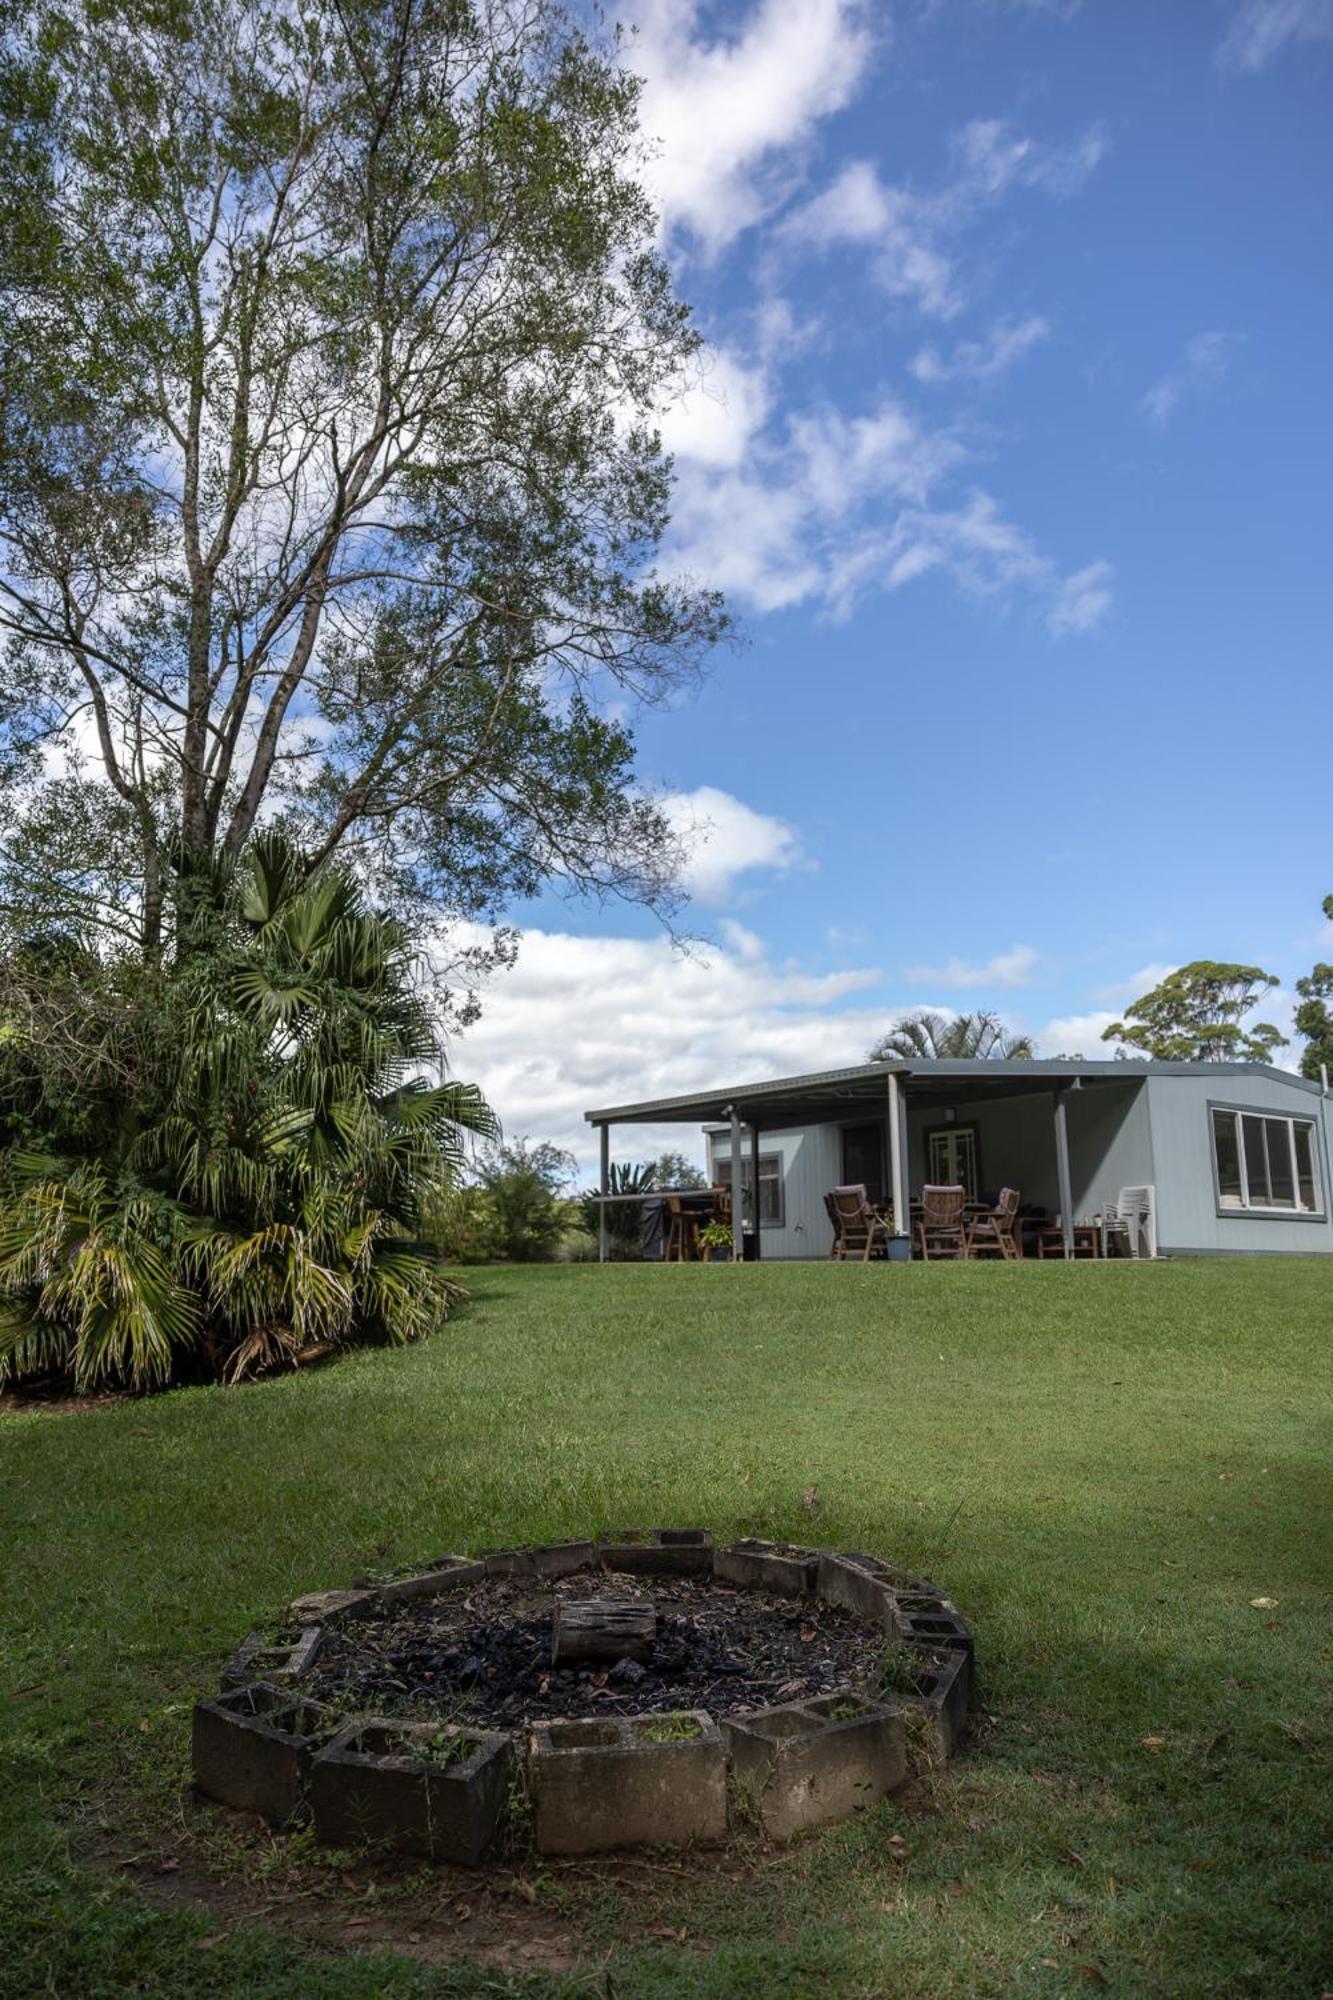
pixel 602 1628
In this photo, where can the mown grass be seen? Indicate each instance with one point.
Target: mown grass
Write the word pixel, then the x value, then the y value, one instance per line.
pixel 1104 1465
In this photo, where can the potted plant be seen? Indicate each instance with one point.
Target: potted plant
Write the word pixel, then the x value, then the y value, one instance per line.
pixel 715 1244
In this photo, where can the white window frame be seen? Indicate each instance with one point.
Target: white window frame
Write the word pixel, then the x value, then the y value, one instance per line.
pixel 1270 1212
pixel 771 1168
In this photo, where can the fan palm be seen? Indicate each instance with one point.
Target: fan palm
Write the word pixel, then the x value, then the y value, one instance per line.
pixel 269 1200
pixel 925 1036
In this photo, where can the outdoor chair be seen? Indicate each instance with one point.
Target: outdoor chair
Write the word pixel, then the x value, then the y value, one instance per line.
pixel 1134 1217
pixel 859 1227
pixel 998 1230
pixel 682 1243
pixel 941 1229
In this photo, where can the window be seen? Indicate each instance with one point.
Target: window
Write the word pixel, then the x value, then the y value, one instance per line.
pixel 771 1211
pixel 1266 1164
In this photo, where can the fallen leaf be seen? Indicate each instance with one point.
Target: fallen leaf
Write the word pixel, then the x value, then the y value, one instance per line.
pixel 1153 1742
pixel 1112 1888
pixel 414 1937
pixel 810 1498
pixel 348 1882
pixel 207 1944
pixel 526 1890
pixel 1051 1964
pixel 1199 1867
pixel 354 1923
pixel 1264 1603
pixel 1074 1856
pixel 807 1633
pixel 169 1866
pixel 1093 1973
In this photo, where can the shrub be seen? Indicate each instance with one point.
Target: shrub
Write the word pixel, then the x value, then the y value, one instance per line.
pixel 524 1190
pixel 224 1164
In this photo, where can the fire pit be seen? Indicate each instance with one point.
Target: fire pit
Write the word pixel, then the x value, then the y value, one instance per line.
pixel 648 1688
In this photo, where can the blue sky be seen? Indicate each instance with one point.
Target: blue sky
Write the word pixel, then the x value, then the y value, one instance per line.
pixel 1011 448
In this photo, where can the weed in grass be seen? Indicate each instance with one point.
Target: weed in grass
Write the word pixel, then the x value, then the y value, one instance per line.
pixel 446 1747
pixel 669 1729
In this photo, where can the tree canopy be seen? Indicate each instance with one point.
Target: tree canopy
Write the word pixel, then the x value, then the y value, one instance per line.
pixel 926 1035
pixel 331 339
pixel 1314 1015
pixel 1199 1013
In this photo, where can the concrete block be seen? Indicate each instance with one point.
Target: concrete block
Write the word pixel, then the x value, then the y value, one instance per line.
pixel 635 1781
pixel 252 1748
pixel 937 1623
pixel 448 1573
pixel 260 1658
pixel 759 1565
pixel 846 1583
pixel 811 1763
pixel 438 1791
pixel 323 1607
pixel 947 1682
pixel 557 1559
pixel 658 1551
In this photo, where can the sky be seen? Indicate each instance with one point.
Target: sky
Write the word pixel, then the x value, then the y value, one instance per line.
pixel 1010 446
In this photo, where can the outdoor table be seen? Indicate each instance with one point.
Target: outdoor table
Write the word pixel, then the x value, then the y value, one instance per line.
pixel 1088 1238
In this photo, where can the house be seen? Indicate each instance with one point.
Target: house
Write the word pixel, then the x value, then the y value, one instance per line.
pixel 1237 1153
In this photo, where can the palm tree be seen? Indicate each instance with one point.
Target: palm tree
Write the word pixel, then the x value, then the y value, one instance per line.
pixel 925 1036
pixel 266 1194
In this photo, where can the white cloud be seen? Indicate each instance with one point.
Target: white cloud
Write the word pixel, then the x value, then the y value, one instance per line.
pixel 1261 29
pixel 729 112
pixel 1122 991
pixel 713 422
pixel 992 158
pixel 725 839
pixel 837 506
pixel 1077 1035
pixel 579 1023
pixel 1203 365
pixel 1007 342
pixel 897 225
pixel 1008 968
pixel 910 235
pixel 1081 601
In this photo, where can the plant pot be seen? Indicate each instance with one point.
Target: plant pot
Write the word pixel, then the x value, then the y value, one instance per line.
pixel 900 1249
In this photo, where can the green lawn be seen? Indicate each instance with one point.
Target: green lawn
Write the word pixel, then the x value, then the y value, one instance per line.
pixel 1104 1466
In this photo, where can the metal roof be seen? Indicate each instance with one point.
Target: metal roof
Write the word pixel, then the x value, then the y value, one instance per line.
pixel 829 1093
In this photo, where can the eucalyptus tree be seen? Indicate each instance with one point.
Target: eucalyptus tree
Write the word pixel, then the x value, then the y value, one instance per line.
pixel 1201 1013
pixel 331 338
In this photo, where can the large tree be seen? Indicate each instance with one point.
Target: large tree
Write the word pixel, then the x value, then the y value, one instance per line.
pixel 1314 1015
pixel 331 337
pixel 928 1036
pixel 1199 1013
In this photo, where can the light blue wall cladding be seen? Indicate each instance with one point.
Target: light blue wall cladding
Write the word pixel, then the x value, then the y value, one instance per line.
pixel 811 1165
pixel 1187 1217
pixel 1110 1143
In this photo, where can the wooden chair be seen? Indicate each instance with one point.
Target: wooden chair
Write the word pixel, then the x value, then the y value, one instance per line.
pixel 941 1230
pixel 682 1243
pixel 859 1228
pixel 997 1230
